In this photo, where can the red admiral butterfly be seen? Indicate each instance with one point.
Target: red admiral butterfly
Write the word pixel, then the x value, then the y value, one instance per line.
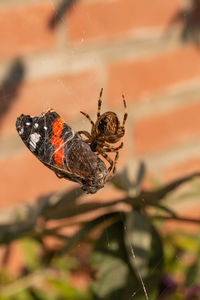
pixel 62 150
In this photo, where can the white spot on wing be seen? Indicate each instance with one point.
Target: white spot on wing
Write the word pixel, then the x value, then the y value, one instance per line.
pixel 34 138
pixel 21 131
pixel 45 128
pixel 28 123
pixel 36 125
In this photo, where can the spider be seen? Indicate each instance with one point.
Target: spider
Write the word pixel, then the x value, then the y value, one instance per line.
pixel 105 131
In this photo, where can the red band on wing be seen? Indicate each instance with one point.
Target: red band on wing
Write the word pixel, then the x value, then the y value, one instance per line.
pixel 58 142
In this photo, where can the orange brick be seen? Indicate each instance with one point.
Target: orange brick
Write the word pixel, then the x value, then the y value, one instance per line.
pixel 67 94
pixel 183 168
pixel 104 20
pixel 23 29
pixel 23 178
pixel 145 77
pixel 166 130
pixel 190 210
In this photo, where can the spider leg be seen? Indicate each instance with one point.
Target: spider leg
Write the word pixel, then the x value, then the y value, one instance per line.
pixel 125 111
pixel 115 163
pixel 100 151
pixel 110 148
pixel 99 104
pixel 86 134
pixel 88 117
pixel 111 174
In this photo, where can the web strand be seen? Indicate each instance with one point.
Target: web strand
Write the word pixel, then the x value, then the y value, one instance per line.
pixel 140 277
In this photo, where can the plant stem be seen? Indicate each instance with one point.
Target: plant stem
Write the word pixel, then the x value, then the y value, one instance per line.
pixel 177 218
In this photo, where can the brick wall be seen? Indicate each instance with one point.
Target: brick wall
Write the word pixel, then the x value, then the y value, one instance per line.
pixel 130 47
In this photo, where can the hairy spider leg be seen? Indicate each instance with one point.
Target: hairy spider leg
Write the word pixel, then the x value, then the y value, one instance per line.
pixel 115 163
pixel 110 148
pixel 88 117
pixel 111 174
pixel 86 133
pixel 125 111
pixel 100 151
pixel 99 103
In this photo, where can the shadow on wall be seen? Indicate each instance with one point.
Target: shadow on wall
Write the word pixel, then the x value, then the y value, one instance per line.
pixel 9 88
pixel 190 20
pixel 61 10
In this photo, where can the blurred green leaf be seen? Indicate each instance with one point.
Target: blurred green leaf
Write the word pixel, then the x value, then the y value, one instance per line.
pixel 193 272
pixel 60 205
pixel 31 250
pixel 186 242
pixel 85 229
pixel 23 295
pixel 121 180
pixel 5 276
pixel 116 279
pixel 39 294
pixel 170 253
pixel 65 263
pixel 68 291
pixel 15 230
pixel 4 298
pixel 112 276
pixel 140 175
pixel 145 250
pixel 109 258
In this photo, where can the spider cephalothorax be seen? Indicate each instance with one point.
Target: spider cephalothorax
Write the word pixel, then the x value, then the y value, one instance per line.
pixel 105 131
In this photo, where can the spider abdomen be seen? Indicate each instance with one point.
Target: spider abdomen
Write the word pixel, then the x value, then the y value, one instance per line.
pixel 107 124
